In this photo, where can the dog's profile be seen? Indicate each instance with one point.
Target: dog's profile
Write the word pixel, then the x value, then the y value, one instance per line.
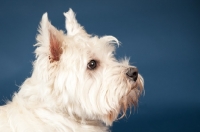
pixel 76 85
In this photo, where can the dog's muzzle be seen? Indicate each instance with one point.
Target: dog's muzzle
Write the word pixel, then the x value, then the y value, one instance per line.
pixel 132 73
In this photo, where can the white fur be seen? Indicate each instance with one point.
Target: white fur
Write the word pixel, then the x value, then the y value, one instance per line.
pixel 63 95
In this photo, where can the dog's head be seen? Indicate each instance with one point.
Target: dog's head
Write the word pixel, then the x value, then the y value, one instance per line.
pixel 85 79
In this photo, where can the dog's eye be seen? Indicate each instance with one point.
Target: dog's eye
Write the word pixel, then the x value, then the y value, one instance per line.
pixel 92 65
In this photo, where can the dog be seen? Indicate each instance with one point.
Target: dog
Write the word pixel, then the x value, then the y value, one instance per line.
pixel 77 84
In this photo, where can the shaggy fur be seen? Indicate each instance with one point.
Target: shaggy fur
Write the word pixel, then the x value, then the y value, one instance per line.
pixel 76 85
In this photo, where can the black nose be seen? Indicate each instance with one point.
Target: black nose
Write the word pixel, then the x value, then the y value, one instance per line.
pixel 132 73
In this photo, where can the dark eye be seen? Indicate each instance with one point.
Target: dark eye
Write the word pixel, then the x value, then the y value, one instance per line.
pixel 92 65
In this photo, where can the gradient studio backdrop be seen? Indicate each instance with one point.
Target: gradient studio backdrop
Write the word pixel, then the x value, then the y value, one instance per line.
pixel 162 38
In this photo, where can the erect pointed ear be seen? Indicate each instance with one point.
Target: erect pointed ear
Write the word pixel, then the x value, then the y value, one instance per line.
pixel 49 40
pixel 72 26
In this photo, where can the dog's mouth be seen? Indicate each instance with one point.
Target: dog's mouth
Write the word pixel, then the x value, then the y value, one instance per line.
pixel 135 85
pixel 131 98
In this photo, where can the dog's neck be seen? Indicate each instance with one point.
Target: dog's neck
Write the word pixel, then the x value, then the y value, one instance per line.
pixel 32 102
pixel 67 122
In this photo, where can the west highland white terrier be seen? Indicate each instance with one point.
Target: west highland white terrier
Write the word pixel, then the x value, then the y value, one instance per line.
pixel 76 85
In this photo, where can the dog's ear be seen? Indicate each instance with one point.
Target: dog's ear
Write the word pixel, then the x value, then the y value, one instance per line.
pixel 71 24
pixel 49 40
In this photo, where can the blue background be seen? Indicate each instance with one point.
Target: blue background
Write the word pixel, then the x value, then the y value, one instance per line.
pixel 162 38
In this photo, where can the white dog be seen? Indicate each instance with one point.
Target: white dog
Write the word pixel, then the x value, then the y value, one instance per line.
pixel 77 85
